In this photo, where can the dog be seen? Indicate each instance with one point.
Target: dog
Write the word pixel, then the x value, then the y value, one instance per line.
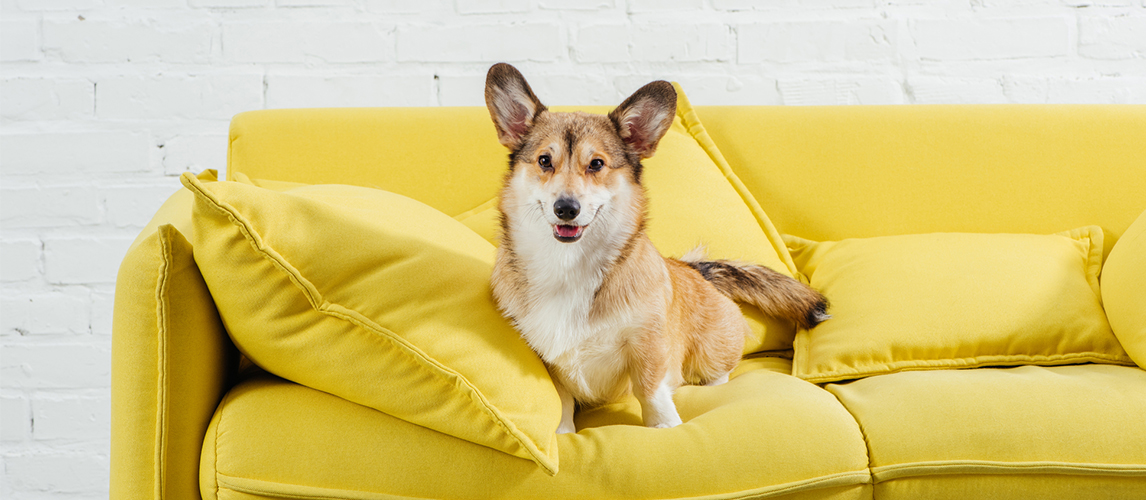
pixel 579 278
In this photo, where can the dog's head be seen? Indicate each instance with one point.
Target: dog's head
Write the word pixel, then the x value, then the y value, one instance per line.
pixel 572 173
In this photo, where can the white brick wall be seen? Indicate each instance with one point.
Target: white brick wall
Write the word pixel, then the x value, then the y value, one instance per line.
pixel 104 102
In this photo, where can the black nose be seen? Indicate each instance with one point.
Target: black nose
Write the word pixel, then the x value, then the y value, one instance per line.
pixel 566 208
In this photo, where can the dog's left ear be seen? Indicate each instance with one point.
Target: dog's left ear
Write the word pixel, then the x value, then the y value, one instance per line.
pixel 511 104
pixel 645 116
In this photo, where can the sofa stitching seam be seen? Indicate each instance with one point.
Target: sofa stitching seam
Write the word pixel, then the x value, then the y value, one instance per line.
pixel 161 362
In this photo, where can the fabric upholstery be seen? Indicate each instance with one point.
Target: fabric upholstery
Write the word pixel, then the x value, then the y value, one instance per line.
pixel 764 434
pixel 991 425
pixel 376 298
pixel 171 363
pixel 827 173
pixel 954 300
pixel 1124 290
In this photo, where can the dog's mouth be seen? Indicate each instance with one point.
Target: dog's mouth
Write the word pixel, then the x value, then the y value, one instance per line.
pixel 567 233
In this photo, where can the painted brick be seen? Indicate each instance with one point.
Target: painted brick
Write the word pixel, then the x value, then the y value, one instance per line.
pixel 655 42
pixel 800 5
pixel 467 90
pixel 59 473
pixel 1103 3
pixel 45 314
pixel 406 6
pixel 194 153
pixel 145 4
pixel 1112 37
pixel 118 41
pixel 1025 89
pixel 72 419
pixel 1094 90
pixel 585 89
pixel 604 43
pixel 865 40
pixel 84 260
pixel 1099 90
pixel 133 206
pixel 296 42
pixel 683 42
pixel 500 42
pixel 228 3
pixel 19 40
pixel 491 6
pixel 19 259
pixel 942 90
pixel 969 39
pixel 664 5
pixel 56 366
pixel 576 4
pixel 30 207
pixel 102 307
pixel 842 91
pixel 169 97
pixel 46 98
pixel 39 5
pixel 306 91
pixel 15 419
pixel 747 90
pixel 75 153
pixel 552 89
pixel 312 3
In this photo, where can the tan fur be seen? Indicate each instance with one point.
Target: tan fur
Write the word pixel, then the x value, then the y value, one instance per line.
pixel 604 310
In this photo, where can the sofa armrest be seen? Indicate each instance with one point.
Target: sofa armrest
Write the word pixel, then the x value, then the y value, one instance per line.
pixel 171 362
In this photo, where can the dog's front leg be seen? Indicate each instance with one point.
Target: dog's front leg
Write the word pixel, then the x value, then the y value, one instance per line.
pixel 567 407
pixel 655 396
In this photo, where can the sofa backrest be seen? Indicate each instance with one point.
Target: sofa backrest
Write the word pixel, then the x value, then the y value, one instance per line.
pixel 819 172
pixel 827 173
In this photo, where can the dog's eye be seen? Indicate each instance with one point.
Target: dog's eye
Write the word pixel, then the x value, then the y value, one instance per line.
pixel 545 161
pixel 596 165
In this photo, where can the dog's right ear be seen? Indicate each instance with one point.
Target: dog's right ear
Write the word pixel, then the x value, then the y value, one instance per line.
pixel 511 104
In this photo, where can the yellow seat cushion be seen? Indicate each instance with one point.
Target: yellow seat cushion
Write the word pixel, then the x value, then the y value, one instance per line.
pixel 1026 432
pixel 1124 290
pixel 378 299
pixel 954 300
pixel 764 434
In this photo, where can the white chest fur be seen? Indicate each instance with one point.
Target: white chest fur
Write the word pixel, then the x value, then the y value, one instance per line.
pixel 587 350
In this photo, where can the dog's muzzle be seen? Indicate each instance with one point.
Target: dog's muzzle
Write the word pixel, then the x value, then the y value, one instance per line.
pixel 567 209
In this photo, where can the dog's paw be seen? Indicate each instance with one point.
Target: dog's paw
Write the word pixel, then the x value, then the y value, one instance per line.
pixel 566 429
pixel 665 422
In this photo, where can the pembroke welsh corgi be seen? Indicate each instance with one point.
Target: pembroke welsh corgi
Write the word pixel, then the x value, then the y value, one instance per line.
pixel 580 279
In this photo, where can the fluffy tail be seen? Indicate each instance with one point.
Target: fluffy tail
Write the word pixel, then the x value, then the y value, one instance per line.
pixel 775 294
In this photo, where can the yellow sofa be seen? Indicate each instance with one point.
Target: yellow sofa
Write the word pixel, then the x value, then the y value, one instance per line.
pixel 192 417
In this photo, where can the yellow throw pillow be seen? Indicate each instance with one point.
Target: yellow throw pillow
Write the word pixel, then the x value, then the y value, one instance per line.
pixel 695 199
pixel 954 300
pixel 1124 289
pixel 378 299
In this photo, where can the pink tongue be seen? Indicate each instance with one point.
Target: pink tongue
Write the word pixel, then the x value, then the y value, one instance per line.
pixel 568 231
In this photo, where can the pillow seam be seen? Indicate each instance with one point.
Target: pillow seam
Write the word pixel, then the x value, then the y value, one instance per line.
pixel 1011 360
